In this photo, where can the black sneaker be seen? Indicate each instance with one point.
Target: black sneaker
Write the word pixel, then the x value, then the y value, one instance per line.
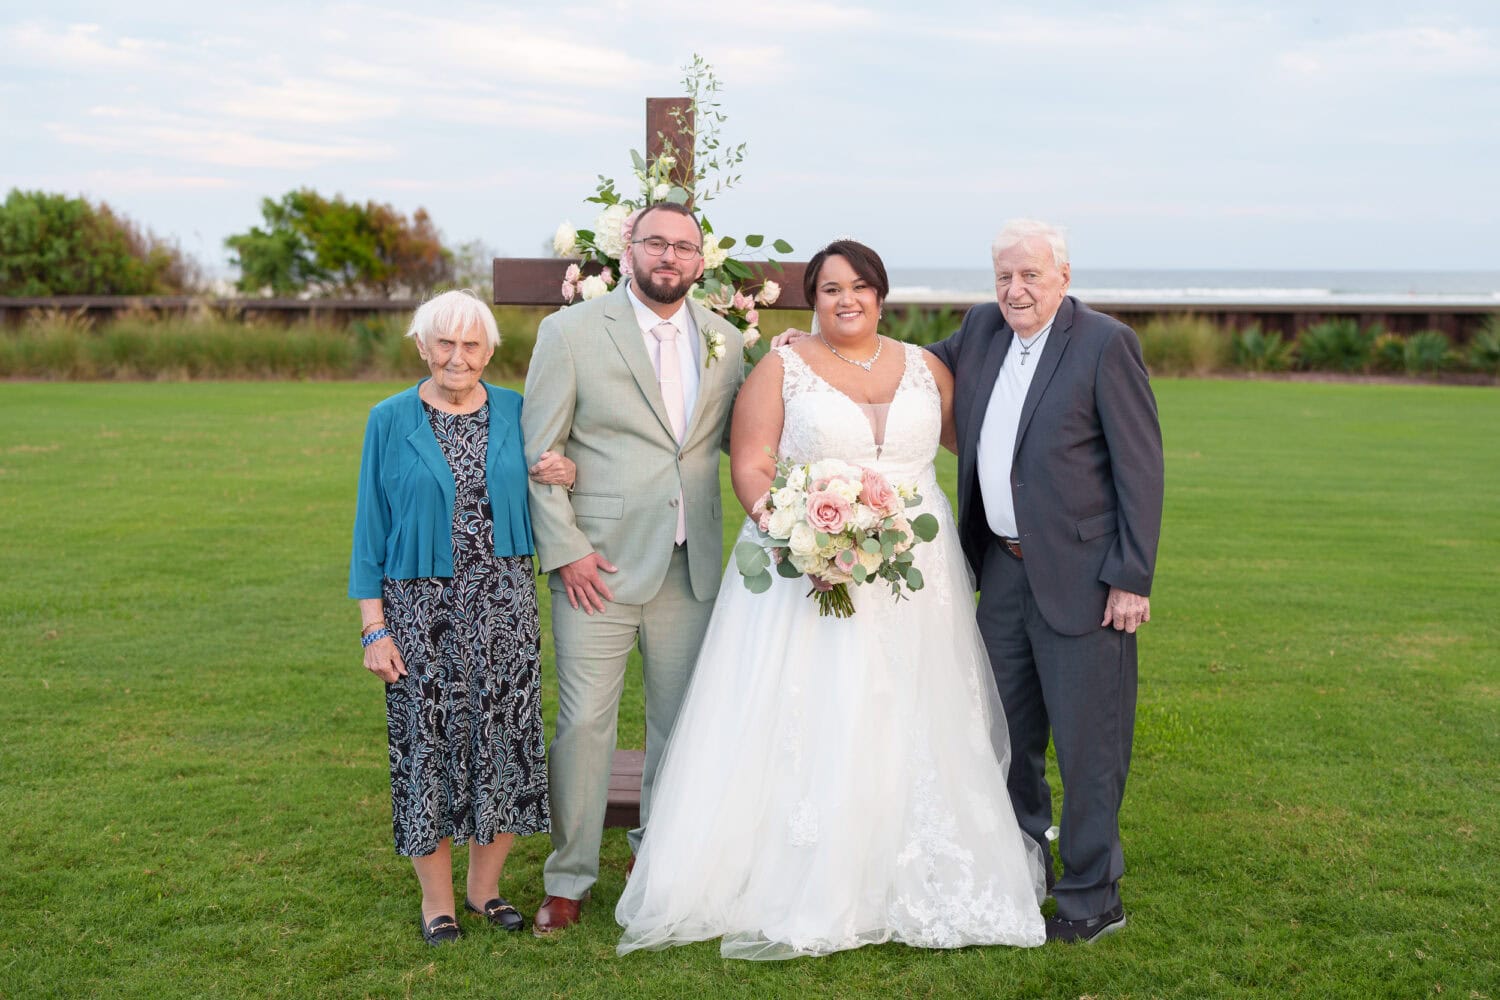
pixel 1089 929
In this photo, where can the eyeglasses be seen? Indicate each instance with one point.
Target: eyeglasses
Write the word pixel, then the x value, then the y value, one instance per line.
pixel 656 246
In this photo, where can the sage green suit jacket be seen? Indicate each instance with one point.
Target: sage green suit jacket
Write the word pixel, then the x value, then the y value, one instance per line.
pixel 592 395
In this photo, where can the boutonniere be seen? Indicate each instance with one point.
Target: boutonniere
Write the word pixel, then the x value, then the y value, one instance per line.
pixel 713 341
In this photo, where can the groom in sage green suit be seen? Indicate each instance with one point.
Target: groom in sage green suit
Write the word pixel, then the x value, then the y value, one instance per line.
pixel 626 386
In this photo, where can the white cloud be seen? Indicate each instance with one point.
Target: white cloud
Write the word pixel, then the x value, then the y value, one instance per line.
pixel 75 47
pixel 1419 50
pixel 307 101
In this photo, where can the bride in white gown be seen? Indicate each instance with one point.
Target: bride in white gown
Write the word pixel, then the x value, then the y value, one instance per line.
pixel 830 782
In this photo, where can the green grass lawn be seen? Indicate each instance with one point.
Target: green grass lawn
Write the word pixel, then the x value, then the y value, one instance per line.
pixel 192 760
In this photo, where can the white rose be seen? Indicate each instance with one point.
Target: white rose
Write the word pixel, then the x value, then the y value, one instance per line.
pixel 752 337
pixel 865 518
pixel 787 497
pixel 869 560
pixel 607 229
pixel 845 488
pixel 592 287
pixel 768 294
pixel 660 192
pixel 797 478
pixel 565 240
pixel 713 254
pixel 803 540
pixel 803 564
pixel 782 522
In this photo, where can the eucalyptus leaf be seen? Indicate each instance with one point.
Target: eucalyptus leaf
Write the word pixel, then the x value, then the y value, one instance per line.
pixel 782 246
pixel 913 578
pixel 678 196
pixel 727 242
pixel 786 569
pixel 754 240
pixel 758 584
pixel 925 527
pixel 859 573
pixel 638 160
pixel 750 559
pixel 870 545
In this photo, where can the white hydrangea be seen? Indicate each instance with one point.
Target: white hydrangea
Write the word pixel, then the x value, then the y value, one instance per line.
pixel 713 254
pixel 607 228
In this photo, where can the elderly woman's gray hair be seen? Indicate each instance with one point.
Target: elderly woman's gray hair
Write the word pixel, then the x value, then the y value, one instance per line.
pixel 1020 230
pixel 452 311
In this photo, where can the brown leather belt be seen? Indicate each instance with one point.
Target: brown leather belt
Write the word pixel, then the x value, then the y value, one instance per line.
pixel 1011 545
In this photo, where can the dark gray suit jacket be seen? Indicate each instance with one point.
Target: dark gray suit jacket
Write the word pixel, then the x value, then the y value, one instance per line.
pixel 1087 472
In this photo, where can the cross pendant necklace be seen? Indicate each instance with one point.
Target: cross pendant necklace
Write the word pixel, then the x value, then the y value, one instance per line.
pixel 1026 348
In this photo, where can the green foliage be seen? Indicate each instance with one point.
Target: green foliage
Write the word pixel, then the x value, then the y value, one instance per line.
pixel 51 244
pixel 196 796
pixel 312 243
pixel 1484 349
pixel 1388 353
pixel 1427 352
pixel 1183 345
pixel 1256 351
pixel 919 326
pixel 1336 345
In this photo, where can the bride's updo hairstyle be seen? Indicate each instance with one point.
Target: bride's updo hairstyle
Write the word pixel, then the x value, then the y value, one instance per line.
pixel 866 263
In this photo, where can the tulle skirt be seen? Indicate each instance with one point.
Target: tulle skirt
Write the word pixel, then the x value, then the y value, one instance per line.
pixel 833 783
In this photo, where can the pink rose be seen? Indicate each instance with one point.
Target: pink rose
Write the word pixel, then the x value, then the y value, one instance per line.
pixel 742 301
pixel 827 511
pixel 846 560
pixel 607 275
pixel 572 274
pixel 568 291
pixel 877 492
pixel 761 512
pixel 753 317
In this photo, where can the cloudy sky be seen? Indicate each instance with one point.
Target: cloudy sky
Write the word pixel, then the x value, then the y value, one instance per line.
pixel 1276 134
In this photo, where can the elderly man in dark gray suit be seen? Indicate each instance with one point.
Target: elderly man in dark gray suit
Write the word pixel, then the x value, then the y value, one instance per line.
pixel 1060 497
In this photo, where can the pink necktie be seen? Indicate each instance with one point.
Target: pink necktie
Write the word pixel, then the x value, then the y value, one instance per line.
pixel 669 379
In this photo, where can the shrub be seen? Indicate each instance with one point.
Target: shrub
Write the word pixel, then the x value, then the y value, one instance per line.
pixel 1261 352
pixel 1484 349
pixel 1427 352
pixel 1336 345
pixel 1388 353
pixel 918 326
pixel 1184 345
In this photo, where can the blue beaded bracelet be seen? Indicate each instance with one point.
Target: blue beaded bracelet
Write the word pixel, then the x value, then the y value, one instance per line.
pixel 374 637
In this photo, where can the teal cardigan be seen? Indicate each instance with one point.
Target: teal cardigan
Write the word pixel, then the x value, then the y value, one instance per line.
pixel 403 517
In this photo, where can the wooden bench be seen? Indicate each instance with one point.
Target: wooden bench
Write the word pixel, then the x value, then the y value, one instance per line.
pixel 624 808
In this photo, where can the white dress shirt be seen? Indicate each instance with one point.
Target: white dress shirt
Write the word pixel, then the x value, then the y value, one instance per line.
pixel 688 347
pixel 997 435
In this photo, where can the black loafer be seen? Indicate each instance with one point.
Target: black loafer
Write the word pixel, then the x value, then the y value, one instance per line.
pixel 1087 930
pixel 500 913
pixel 440 930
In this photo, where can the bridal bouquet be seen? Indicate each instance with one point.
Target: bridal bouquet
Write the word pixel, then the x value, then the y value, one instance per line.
pixel 837 524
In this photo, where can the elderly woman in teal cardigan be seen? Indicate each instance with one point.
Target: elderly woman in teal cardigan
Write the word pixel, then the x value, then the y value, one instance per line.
pixel 442 571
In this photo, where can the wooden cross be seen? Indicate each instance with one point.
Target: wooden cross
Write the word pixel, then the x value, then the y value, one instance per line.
pixel 537 281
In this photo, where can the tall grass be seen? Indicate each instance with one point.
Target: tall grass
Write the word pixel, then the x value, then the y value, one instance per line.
pixel 1184 345
pixel 60 345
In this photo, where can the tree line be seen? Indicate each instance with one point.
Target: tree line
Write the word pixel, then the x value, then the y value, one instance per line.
pixel 306 244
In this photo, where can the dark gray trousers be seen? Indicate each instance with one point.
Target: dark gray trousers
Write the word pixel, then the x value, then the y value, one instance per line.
pixel 1081 689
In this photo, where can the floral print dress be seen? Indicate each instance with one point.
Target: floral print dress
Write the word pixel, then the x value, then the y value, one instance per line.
pixel 465 723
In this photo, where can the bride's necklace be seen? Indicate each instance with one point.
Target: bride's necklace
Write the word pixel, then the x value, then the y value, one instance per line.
pixel 866 364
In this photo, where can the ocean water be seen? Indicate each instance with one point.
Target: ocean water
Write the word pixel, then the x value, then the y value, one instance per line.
pixel 1221 286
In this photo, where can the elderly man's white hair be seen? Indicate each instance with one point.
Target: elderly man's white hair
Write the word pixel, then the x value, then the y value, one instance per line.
pixel 450 312
pixel 1020 230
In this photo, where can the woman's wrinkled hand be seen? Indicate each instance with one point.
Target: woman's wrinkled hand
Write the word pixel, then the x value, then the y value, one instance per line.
pixel 552 469
pixel 383 659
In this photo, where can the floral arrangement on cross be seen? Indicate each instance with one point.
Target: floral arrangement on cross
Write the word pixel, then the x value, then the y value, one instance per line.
pixel 725 285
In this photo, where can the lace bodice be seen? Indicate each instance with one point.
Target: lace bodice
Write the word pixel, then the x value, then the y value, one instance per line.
pixel 821 422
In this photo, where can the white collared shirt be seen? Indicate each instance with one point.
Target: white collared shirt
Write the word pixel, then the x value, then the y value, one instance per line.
pixel 688 347
pixel 997 435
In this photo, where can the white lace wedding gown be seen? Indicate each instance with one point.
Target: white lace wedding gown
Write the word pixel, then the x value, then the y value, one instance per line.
pixel 833 783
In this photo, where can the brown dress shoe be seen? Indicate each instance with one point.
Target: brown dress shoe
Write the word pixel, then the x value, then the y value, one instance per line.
pixel 555 914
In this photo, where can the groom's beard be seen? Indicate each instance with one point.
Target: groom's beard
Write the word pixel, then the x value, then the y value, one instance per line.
pixel 665 294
